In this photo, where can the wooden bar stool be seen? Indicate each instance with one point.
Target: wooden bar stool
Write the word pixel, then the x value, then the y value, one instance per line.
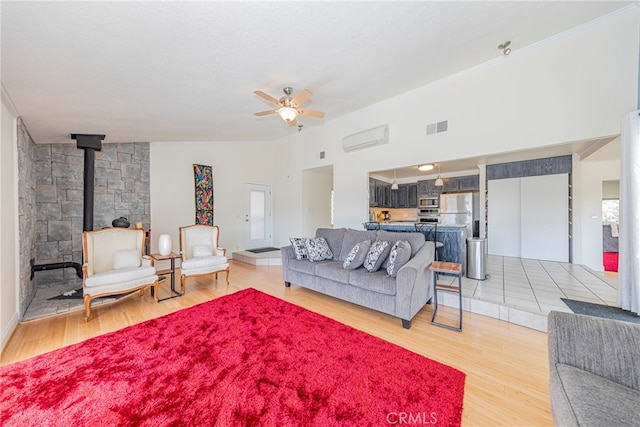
pixel 448 269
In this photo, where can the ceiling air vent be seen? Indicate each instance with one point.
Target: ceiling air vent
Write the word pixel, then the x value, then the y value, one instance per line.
pixel 367 138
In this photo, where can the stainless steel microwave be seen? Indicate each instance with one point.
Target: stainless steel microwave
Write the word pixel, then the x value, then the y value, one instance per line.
pixel 429 202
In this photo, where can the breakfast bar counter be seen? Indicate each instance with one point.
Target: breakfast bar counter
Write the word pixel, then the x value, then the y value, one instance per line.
pixel 453 237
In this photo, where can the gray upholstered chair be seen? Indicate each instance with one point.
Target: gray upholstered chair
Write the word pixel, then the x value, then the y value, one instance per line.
pixel 200 253
pixel 594 367
pixel 114 264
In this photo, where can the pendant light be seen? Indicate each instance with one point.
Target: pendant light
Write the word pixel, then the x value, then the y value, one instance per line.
pixel 394 184
pixel 439 182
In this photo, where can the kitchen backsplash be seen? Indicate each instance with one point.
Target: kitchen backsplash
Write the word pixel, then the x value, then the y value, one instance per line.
pixel 397 214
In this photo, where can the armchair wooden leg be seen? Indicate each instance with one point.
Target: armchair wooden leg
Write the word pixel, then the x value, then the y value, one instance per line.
pixel 183 280
pixel 155 290
pixel 227 271
pixel 87 307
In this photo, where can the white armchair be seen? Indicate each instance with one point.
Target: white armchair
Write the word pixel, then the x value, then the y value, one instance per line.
pixel 200 253
pixel 114 264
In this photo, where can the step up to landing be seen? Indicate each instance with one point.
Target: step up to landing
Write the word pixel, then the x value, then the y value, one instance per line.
pixel 262 258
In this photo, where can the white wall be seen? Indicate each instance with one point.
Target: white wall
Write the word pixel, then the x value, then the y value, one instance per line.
pixel 9 280
pixel 574 87
pixel 571 88
pixel 316 201
pixel 172 186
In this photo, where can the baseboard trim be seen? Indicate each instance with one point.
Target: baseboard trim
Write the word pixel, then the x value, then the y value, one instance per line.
pixel 8 331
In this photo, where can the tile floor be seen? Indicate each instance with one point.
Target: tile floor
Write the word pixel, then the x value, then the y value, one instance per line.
pixel 520 291
pixel 524 291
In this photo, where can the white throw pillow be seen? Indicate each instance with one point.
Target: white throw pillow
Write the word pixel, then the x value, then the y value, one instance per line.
pixel 201 250
pixel 377 254
pixel 318 249
pixel 356 255
pixel 299 247
pixel 126 258
pixel 399 256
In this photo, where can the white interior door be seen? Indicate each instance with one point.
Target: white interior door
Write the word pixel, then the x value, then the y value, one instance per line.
pixel 257 216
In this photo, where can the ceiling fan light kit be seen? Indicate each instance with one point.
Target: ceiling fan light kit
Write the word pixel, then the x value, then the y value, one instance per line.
pixel 287 113
pixel 288 106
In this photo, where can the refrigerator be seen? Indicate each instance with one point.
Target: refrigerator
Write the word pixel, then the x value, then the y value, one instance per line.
pixel 458 209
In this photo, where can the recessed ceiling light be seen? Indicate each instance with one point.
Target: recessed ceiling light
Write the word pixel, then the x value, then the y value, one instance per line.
pixel 425 168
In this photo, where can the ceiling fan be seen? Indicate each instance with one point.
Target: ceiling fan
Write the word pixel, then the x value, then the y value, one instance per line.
pixel 288 106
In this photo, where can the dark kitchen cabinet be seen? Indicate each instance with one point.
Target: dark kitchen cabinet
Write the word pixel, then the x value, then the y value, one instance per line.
pixel 412 195
pixel 469 183
pixel 406 196
pixel 373 194
pixel 427 188
pixel 379 194
pixel 461 183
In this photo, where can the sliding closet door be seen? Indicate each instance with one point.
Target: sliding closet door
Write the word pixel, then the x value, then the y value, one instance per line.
pixel 504 217
pixel 545 217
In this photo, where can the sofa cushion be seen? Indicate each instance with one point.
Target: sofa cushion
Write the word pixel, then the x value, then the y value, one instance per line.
pixel 378 281
pixel 377 254
pixel 318 249
pixel 352 237
pixel 126 258
pixel 597 401
pixel 332 270
pixel 334 237
pixel 303 266
pixel 416 240
pixel 299 247
pixel 120 275
pixel 398 256
pixel 356 255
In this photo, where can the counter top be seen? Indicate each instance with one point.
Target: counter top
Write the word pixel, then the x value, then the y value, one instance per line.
pixel 413 224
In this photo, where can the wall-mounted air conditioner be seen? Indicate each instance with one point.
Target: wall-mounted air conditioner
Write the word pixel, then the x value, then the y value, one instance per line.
pixel 367 138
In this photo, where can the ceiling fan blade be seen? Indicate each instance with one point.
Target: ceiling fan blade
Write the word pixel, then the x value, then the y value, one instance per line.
pixel 292 122
pixel 265 113
pixel 312 113
pixel 301 97
pixel 270 99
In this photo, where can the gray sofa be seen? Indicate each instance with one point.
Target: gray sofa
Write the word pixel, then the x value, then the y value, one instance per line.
pixel 402 296
pixel 594 366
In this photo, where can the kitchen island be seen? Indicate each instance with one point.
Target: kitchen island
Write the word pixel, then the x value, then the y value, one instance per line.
pixel 453 237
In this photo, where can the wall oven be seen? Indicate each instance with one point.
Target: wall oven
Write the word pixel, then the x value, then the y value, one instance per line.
pixel 429 202
pixel 429 215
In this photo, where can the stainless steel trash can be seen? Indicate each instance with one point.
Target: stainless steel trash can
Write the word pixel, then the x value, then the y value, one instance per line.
pixel 476 258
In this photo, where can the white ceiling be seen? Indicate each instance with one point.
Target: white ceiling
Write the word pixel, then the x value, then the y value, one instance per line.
pixel 186 71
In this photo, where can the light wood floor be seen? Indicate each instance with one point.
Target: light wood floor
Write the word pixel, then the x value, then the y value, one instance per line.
pixel 506 365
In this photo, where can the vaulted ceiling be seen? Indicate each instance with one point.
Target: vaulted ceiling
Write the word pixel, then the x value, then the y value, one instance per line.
pixel 186 71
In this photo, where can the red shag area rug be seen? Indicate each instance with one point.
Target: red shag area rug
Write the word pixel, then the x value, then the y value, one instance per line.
pixel 610 261
pixel 243 359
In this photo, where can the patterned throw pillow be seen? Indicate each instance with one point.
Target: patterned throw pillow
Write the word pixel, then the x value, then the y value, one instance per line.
pixel 318 249
pixel 376 255
pixel 299 247
pixel 399 256
pixel 356 255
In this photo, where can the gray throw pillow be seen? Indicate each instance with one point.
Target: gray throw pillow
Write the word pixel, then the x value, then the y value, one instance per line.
pixel 376 255
pixel 318 249
pixel 398 256
pixel 299 247
pixel 356 255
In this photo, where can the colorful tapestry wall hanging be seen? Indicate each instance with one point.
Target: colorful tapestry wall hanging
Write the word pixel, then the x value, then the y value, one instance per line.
pixel 203 176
